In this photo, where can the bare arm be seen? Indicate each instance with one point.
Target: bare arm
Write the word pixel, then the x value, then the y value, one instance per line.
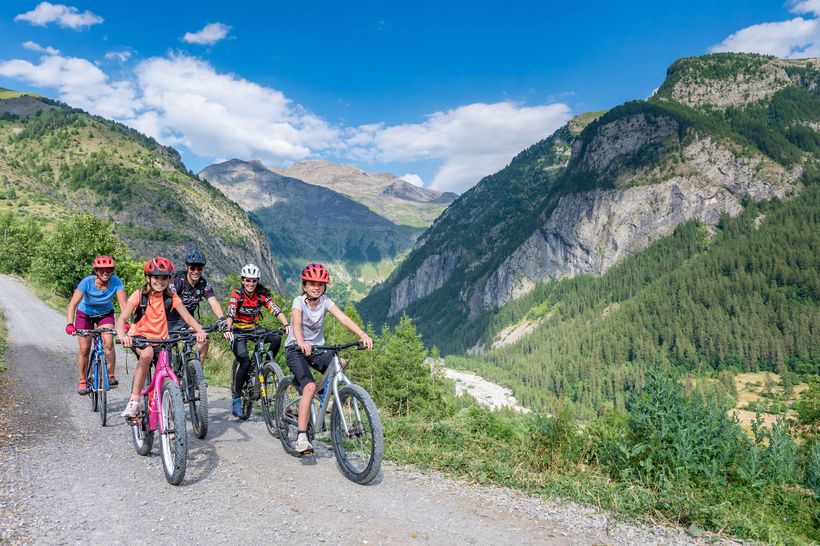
pixel 191 321
pixel 297 332
pixel 215 307
pixel 76 298
pixel 121 299
pixel 125 312
pixel 352 326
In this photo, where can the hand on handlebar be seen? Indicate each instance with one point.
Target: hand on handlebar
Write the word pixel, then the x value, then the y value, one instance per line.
pixel 70 329
pixel 306 348
pixel 367 342
pixel 201 336
pixel 127 341
pixel 227 334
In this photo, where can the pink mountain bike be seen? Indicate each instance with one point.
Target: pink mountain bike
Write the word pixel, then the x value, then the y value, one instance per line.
pixel 162 409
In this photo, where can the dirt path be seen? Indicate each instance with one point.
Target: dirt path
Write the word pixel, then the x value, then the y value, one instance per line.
pixel 66 479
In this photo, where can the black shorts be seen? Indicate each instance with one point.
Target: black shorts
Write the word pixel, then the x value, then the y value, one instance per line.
pixel 178 324
pixel 298 363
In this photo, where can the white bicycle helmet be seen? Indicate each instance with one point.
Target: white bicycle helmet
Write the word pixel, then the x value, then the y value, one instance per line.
pixel 250 271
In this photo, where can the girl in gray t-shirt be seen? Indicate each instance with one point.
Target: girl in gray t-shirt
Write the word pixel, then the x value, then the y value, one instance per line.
pixel 307 329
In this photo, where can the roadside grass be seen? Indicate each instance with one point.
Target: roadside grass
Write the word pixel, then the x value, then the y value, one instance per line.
pixel 496 448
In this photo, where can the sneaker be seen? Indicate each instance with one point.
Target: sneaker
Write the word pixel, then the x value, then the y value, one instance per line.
pixel 303 445
pixel 82 388
pixel 132 410
pixel 112 381
pixel 236 407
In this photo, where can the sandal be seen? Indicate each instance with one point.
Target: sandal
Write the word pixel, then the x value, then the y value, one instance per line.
pixel 112 381
pixel 82 388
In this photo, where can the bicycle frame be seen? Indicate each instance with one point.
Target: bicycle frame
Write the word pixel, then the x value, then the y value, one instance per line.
pixel 334 375
pixel 163 370
pixel 97 348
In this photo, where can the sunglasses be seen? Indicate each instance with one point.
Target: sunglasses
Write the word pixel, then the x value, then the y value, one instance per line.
pixel 250 280
pixel 196 267
pixel 104 271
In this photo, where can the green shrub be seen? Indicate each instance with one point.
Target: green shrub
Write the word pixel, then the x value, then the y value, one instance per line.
pixel 65 255
pixel 18 244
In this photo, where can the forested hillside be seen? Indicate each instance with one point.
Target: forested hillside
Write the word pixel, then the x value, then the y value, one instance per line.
pixel 56 161
pixel 741 297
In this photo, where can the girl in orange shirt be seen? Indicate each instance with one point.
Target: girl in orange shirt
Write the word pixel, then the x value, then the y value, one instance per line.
pixel 152 302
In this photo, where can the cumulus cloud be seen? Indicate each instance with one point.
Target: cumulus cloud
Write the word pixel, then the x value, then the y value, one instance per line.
pixel 413 179
pixel 209 35
pixel 795 38
pixel 222 115
pixel 64 16
pixel 79 82
pixel 34 46
pixel 471 141
pixel 121 56
pixel 183 101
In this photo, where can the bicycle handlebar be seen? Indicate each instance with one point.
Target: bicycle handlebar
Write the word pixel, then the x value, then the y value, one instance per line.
pixel 336 348
pixel 259 331
pixel 88 333
pixel 186 331
pixel 140 342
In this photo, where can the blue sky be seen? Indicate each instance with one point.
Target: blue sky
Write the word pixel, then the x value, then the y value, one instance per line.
pixel 441 93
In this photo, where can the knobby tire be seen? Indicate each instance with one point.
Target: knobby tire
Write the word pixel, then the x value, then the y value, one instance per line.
pixel 359 450
pixel 197 394
pixel 174 441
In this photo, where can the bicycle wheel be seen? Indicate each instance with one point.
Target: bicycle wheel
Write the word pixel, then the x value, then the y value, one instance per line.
pixel 89 379
pixel 142 437
pixel 196 391
pixel 102 389
pixel 271 373
pixel 251 386
pixel 286 403
pixel 357 439
pixel 174 440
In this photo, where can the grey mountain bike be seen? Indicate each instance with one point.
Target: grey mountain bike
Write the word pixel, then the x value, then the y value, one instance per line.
pixel 355 426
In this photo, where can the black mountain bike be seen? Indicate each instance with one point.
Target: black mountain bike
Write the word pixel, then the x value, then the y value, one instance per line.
pixel 264 375
pixel 186 364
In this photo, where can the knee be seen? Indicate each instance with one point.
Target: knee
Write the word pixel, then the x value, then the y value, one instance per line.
pixel 310 389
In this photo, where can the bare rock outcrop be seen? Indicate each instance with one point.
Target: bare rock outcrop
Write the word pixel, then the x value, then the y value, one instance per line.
pixel 428 277
pixel 590 232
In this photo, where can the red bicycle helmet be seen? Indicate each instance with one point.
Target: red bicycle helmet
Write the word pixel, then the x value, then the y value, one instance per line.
pixel 159 266
pixel 103 262
pixel 315 273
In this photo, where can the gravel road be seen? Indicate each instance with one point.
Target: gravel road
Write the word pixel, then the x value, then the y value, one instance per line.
pixel 66 479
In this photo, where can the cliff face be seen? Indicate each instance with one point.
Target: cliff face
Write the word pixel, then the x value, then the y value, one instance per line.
pixel 721 129
pixel 589 232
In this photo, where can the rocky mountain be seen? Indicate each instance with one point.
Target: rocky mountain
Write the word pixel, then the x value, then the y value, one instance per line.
pixel 308 223
pixel 55 160
pixel 383 193
pixel 723 130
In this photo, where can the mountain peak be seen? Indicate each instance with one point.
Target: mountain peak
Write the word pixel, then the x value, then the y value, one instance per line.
pixel 723 80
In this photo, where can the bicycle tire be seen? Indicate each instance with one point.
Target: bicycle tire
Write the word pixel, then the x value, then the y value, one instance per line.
pixel 89 380
pixel 197 394
pixel 174 441
pixel 142 437
pixel 359 449
pixel 286 403
pixel 102 389
pixel 272 374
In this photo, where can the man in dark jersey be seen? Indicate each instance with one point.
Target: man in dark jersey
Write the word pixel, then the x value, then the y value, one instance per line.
pixel 192 288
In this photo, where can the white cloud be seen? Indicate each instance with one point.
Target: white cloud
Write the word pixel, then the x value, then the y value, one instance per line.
pixel 121 56
pixel 183 101
pixel 471 141
pixel 221 115
pixel 34 46
pixel 413 179
pixel 209 35
pixel 79 82
pixel 64 16
pixel 796 38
